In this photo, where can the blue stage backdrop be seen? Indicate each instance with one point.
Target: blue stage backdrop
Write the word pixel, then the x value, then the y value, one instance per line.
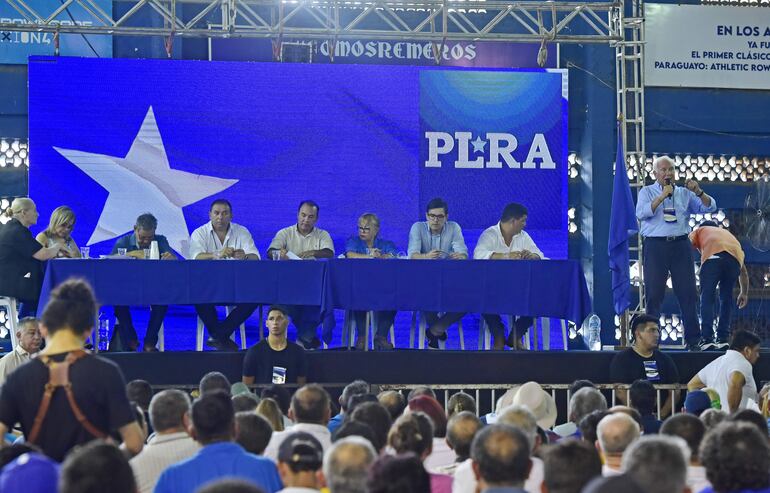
pixel 117 138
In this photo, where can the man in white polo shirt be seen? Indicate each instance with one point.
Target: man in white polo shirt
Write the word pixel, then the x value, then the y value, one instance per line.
pixel 507 240
pixel 731 375
pixel 220 238
pixel 303 240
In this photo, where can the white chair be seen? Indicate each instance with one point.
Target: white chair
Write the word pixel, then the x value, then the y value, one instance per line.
pixel 545 324
pixel 349 329
pixel 199 335
pixel 11 318
pixel 422 327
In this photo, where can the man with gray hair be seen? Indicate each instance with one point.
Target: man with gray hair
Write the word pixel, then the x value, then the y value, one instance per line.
pixel 581 404
pixel 658 463
pixel 523 420
pixel 356 387
pixel 29 341
pixel 170 418
pixel 501 459
pixel 614 434
pixel 310 410
pixel 346 465
pixel 460 431
pixel 664 210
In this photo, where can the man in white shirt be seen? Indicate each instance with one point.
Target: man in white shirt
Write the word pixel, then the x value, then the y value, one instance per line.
pixel 507 240
pixel 220 238
pixel 29 341
pixel 692 430
pixel 170 417
pixel 731 375
pixel 311 412
pixel 615 433
pixel 303 240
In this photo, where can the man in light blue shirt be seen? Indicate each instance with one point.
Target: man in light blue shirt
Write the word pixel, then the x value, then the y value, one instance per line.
pixel 213 426
pixel 437 238
pixel 663 209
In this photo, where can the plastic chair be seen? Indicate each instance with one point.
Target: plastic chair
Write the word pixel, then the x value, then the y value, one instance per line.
pixel 199 335
pixel 349 329
pixel 422 327
pixel 545 324
pixel 12 317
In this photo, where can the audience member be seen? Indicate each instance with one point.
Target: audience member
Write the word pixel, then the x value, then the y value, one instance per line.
pixel 310 411
pixel 696 402
pixel 96 467
pixel 442 455
pixel 213 426
pixel 570 465
pixel 279 394
pixel 393 401
pixel 269 409
pixel 96 384
pixel 460 402
pixel 413 433
pixel 630 411
pixel 614 434
pixel 346 465
pixel 420 390
pixel 11 452
pixel 170 417
pixel 752 417
pixel 712 417
pixel 229 486
pixel 736 457
pixel 658 463
pixel 587 426
pixel 214 381
pixel 532 396
pixel 731 375
pixel 501 459
pixel 354 428
pixel 378 419
pixel 461 430
pixel 582 402
pixel 300 459
pixel 398 474
pixel 28 344
pixel 140 392
pixel 30 472
pixel 644 361
pixel 357 399
pixel 245 403
pixel 690 429
pixel 275 359
pixel 642 397
pixel 252 432
pixel 354 388
pixel 614 484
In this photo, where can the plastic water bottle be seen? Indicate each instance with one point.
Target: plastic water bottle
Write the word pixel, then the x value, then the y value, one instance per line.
pixel 594 333
pixel 104 332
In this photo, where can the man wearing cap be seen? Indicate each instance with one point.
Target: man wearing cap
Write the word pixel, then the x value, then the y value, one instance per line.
pixel 696 402
pixel 300 459
pixel 29 341
pixel 29 473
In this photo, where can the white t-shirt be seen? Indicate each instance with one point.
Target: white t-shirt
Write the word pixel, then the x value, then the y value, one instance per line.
pixel 717 376
pixel 465 479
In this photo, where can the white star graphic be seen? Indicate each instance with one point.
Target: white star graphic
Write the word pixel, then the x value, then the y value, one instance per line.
pixel 478 144
pixel 143 182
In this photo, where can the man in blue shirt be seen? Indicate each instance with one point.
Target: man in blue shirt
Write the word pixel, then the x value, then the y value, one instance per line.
pixel 663 210
pixel 135 245
pixel 437 238
pixel 213 426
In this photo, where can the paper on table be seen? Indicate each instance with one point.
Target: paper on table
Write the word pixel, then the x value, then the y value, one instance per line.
pixel 293 256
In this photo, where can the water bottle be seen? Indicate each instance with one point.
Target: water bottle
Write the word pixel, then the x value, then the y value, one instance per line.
pixel 104 332
pixel 594 333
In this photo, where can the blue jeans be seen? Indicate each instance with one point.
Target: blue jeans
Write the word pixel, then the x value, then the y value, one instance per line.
pixel 722 272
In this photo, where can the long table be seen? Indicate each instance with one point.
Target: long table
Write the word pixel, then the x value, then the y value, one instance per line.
pixel 553 288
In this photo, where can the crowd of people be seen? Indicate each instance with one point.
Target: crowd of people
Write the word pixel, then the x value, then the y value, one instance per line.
pixel 70 423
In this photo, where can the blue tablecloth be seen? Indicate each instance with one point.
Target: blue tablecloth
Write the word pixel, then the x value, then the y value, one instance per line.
pixel 550 288
pixel 187 282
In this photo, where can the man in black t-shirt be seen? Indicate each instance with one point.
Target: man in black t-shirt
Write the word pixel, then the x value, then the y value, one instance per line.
pixel 644 361
pixel 275 359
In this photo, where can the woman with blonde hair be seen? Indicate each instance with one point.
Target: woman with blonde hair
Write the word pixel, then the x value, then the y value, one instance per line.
pixel 59 231
pixel 21 256
pixel 269 409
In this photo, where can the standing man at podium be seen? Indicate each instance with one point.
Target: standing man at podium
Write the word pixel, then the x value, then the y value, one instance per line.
pixel 664 209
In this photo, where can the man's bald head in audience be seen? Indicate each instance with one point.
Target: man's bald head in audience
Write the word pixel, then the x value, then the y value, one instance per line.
pixel 616 432
pixel 461 429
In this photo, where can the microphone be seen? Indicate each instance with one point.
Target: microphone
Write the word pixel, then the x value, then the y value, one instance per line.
pixel 668 183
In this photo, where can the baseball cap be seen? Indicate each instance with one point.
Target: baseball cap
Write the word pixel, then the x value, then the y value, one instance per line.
pixel 696 402
pixel 302 451
pixel 30 473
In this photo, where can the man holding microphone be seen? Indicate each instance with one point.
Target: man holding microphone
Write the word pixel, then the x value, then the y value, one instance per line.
pixel 663 210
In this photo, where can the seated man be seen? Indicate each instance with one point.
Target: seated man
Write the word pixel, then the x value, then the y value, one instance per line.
pixel 436 238
pixel 135 244
pixel 222 238
pixel 275 359
pixel 369 245
pixel 29 342
pixel 508 240
pixel 303 240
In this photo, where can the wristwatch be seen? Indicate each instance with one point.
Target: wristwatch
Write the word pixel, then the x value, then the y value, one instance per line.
pixel 700 194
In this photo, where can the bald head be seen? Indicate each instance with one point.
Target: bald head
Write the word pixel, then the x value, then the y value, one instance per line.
pixel 616 432
pixel 461 429
pixel 522 418
pixel 393 401
pixel 346 465
pixel 310 404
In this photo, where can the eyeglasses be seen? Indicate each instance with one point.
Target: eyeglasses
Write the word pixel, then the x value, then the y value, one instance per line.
pixel 436 217
pixel 365 229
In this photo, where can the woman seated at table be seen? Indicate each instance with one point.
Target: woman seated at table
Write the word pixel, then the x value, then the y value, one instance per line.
pixel 59 231
pixel 21 256
pixel 368 245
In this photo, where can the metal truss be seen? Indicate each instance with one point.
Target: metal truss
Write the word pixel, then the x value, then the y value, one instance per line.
pixel 408 20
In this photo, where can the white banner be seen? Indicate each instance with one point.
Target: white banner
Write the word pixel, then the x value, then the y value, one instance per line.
pixel 707 46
